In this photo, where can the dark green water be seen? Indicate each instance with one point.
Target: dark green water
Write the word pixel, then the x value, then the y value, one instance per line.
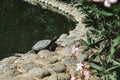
pixel 22 25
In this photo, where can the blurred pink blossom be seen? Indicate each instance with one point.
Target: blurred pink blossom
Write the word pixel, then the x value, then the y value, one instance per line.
pixel 79 66
pixel 112 1
pixel 74 49
pixel 98 0
pixel 73 76
pixel 86 75
pixel 107 3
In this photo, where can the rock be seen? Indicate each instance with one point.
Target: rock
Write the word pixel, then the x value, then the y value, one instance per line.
pixel 65 51
pixel 72 69
pixel 19 60
pixel 56 68
pixel 28 56
pixel 69 61
pixel 80 56
pixel 46 61
pixel 8 60
pixel 66 42
pixel 18 54
pixel 27 66
pixel 45 53
pixel 59 57
pixel 54 76
pixel 59 76
pixel 63 76
pixel 31 51
pixel 38 72
pixel 6 67
pixel 9 75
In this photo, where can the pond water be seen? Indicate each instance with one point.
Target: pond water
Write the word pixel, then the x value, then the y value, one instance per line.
pixel 22 25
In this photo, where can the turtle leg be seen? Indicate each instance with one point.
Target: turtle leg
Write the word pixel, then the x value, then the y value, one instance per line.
pixel 52 47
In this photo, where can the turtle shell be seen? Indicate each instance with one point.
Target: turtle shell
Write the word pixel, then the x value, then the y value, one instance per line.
pixel 42 44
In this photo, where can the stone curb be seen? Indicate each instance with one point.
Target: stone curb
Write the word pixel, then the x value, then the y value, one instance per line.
pixel 65 9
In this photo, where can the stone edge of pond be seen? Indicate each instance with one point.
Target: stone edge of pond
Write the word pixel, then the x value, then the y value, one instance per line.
pixel 65 9
pixel 47 65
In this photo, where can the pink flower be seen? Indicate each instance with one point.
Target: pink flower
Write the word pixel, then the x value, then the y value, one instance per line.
pixel 112 1
pixel 107 3
pixel 86 75
pixel 98 0
pixel 79 66
pixel 73 76
pixel 74 49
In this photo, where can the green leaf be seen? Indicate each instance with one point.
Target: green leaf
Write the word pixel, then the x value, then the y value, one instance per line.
pixel 116 62
pixel 95 66
pixel 88 38
pixel 83 42
pixel 103 13
pixel 116 41
pixel 92 57
pixel 112 68
pixel 112 76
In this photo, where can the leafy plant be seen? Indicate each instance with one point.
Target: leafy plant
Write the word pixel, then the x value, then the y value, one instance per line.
pixel 103 38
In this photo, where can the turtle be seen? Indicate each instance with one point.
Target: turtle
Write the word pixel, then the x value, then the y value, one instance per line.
pixel 45 44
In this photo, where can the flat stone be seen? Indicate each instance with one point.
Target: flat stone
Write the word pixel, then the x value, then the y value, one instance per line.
pixel 59 76
pixel 9 75
pixel 28 56
pixel 59 57
pixel 66 42
pixel 80 56
pixel 38 72
pixel 46 61
pixel 19 60
pixel 69 61
pixel 72 69
pixel 8 60
pixel 63 36
pixel 56 68
pixel 6 67
pixel 54 76
pixel 45 53
pixel 63 76
pixel 65 51
pixel 27 66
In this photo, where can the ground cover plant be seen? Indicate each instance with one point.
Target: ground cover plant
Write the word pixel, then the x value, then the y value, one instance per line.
pixel 103 39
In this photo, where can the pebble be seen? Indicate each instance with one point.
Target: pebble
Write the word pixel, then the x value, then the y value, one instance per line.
pixel 65 51
pixel 56 68
pixel 6 67
pixel 68 61
pixel 38 72
pixel 46 61
pixel 45 53
pixel 27 66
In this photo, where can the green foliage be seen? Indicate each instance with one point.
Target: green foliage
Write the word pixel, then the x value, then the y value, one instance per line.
pixel 103 36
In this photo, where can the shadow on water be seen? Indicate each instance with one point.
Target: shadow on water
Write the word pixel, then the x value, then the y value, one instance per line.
pixel 22 25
